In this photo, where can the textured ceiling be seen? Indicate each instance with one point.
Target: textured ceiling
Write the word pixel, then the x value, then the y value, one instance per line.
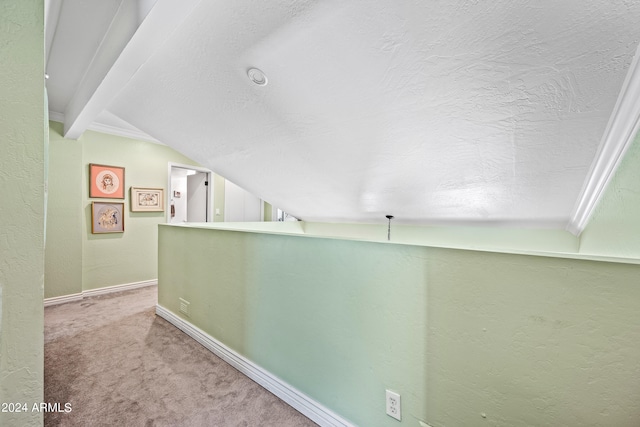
pixel 457 112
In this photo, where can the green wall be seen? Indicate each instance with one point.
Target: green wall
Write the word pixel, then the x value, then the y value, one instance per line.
pixel 485 238
pixel 119 258
pixel 78 260
pixel 267 212
pixel 63 267
pixel 22 183
pixel 218 197
pixel 614 228
pixel 524 340
pixel 471 326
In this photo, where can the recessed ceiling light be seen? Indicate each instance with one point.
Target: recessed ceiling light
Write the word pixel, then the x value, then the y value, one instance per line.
pixel 257 76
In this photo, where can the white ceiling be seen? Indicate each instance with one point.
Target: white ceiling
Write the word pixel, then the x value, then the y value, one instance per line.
pixel 464 112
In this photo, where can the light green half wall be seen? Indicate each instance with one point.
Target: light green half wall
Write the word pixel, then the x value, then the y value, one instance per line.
pixel 22 186
pixel 524 340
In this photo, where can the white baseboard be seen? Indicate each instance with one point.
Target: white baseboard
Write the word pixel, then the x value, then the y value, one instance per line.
pixel 100 291
pixel 62 299
pixel 290 395
pixel 119 288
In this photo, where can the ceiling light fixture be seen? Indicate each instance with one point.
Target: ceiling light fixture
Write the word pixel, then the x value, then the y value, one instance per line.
pixel 257 76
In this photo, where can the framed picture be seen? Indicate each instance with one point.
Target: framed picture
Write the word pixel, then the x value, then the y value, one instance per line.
pixel 147 199
pixel 106 182
pixel 107 217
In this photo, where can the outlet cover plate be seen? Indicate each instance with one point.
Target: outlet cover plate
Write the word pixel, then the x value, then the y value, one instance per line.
pixel 184 307
pixel 394 408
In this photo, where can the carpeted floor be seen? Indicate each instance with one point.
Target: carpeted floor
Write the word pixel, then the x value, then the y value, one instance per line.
pixel 118 364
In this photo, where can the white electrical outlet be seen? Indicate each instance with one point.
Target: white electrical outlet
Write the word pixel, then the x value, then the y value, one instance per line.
pixel 184 306
pixel 394 408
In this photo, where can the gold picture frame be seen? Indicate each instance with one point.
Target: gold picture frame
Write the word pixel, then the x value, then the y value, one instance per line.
pixel 106 182
pixel 107 217
pixel 147 199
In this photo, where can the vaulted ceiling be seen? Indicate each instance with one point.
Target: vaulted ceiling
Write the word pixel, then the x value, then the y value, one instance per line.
pixel 463 112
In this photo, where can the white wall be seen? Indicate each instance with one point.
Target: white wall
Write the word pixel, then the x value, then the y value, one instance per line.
pixel 240 205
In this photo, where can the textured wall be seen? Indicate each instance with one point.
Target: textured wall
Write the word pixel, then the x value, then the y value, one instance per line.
pixel 468 111
pixel 531 341
pixel 467 338
pixel 22 165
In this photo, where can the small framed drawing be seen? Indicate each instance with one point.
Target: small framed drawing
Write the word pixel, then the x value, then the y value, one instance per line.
pixel 106 182
pixel 107 217
pixel 147 199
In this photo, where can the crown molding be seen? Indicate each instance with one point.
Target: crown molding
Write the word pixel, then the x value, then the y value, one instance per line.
pixel 111 130
pixel 127 133
pixel 56 117
pixel 618 136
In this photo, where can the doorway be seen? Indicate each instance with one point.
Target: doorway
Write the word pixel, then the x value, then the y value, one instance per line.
pixel 190 194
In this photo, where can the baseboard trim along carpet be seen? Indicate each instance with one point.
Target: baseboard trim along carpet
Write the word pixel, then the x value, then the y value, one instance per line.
pixel 290 395
pixel 100 291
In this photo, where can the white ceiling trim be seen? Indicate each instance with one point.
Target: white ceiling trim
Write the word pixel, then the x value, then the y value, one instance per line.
pixel 51 16
pixel 127 133
pixel 95 94
pixel 619 134
pixel 111 130
pixel 56 117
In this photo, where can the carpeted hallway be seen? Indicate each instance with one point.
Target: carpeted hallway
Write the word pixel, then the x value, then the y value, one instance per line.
pixel 118 364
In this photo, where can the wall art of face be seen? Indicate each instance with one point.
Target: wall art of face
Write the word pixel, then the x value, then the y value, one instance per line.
pixel 107 182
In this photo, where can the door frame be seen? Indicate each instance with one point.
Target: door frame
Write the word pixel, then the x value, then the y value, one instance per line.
pixel 209 179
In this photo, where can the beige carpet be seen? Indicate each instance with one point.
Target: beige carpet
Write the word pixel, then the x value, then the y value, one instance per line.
pixel 118 364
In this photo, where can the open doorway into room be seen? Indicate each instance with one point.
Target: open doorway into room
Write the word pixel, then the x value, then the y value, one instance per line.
pixel 190 194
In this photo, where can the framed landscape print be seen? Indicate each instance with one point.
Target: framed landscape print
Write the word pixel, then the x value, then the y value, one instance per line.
pixel 147 199
pixel 106 182
pixel 107 217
